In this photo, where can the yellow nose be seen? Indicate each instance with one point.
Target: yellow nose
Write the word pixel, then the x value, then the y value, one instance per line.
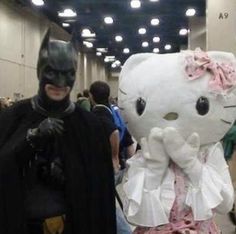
pixel 171 116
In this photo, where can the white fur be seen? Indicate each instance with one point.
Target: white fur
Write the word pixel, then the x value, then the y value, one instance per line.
pixel 161 80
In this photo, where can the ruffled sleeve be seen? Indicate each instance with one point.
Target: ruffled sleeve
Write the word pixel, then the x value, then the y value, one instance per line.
pixel 147 207
pixel 215 190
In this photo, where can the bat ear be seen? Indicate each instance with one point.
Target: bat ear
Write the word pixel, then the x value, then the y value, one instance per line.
pixel 45 42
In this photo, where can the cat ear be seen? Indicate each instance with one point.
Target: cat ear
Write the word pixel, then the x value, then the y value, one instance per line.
pixel 222 57
pixel 134 61
pixel 228 59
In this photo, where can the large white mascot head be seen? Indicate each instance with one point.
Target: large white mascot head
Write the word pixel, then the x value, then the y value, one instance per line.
pixel 191 91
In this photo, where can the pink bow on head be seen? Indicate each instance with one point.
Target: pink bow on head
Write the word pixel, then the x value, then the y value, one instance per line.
pixel 223 76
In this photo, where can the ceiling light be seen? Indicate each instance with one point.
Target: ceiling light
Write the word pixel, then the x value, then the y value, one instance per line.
pixel 119 38
pixel 88 44
pixel 108 59
pixel 87 33
pixel 118 63
pixel 190 12
pixel 38 2
pixel 113 65
pixel 126 50
pixel 167 47
pixel 156 50
pixel 135 4
pixel 102 50
pixel 142 31
pixel 111 57
pixel 156 39
pixel 145 44
pixel 154 0
pixel 99 53
pixel 183 31
pixel 155 21
pixel 65 25
pixel 108 20
pixel 67 13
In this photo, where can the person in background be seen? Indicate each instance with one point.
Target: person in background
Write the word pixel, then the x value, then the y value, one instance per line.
pixel 83 100
pixel 229 143
pixel 99 96
pixel 56 171
pixel 3 104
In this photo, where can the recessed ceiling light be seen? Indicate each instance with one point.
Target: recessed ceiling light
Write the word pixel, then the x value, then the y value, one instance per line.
pixel 113 65
pixel 117 62
pixel 167 47
pixel 155 21
pixel 156 50
pixel 87 33
pixel 190 12
pixel 65 25
pixel 156 39
pixel 183 31
pixel 145 44
pixel 154 0
pixel 119 38
pixel 126 50
pixel 142 31
pixel 99 53
pixel 135 4
pixel 88 44
pixel 108 20
pixel 67 13
pixel 108 59
pixel 102 50
pixel 38 2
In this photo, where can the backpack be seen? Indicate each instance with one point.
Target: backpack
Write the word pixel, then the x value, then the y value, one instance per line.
pixel 118 120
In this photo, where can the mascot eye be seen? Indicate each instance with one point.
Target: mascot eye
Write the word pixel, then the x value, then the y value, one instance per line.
pixel 140 106
pixel 202 106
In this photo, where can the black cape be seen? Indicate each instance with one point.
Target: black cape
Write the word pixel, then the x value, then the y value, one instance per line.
pixel 90 200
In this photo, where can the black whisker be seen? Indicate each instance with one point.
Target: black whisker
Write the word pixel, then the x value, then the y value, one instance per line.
pixel 234 106
pixel 122 91
pixel 227 122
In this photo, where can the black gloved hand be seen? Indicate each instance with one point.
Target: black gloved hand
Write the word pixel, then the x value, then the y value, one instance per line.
pixel 47 128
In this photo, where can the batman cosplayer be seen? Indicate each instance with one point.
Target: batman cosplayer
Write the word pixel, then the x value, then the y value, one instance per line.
pixel 55 163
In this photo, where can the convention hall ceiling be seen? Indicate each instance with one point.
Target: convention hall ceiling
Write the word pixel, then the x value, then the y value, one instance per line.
pixel 168 18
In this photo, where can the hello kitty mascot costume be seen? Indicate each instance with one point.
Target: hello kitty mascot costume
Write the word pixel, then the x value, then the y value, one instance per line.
pixel 178 107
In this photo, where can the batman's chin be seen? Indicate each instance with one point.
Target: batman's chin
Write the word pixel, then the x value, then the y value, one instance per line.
pixel 56 93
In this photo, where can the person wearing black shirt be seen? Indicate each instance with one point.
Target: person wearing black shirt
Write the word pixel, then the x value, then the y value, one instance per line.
pixel 99 95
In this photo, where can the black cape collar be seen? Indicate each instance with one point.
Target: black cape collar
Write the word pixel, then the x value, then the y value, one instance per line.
pixel 36 106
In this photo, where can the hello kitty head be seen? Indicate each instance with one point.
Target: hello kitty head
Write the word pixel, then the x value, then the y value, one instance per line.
pixel 192 91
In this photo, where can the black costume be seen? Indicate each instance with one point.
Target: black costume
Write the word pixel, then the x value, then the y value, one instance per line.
pixel 56 165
